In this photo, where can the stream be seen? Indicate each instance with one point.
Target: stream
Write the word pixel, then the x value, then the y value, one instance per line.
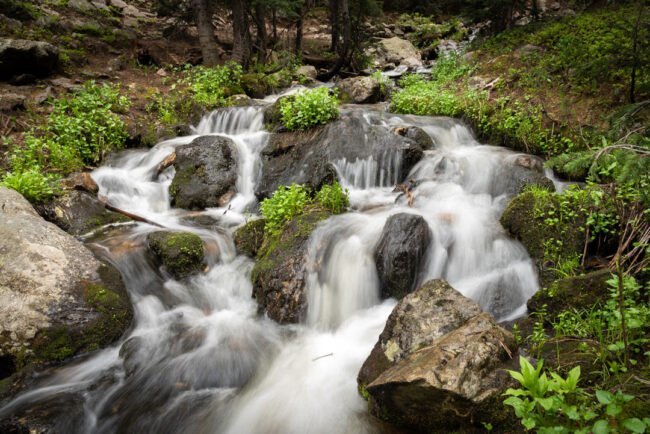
pixel 199 359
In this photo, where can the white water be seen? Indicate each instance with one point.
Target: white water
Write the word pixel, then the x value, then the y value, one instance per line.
pixel 200 359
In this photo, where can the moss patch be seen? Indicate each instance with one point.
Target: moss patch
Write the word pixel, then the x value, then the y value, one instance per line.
pixel 180 252
pixel 249 238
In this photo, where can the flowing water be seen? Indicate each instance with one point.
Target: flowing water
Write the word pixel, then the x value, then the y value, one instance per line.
pixel 200 359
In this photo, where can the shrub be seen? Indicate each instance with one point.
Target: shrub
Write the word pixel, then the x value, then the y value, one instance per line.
pixel 333 197
pixel 308 108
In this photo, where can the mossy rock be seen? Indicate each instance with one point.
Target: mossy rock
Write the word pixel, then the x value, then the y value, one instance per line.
pixel 525 219
pixel 180 252
pixel 580 292
pixel 249 238
pixel 254 85
pixel 279 275
pixel 273 116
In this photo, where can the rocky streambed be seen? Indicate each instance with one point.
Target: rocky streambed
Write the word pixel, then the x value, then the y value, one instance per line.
pixel 381 318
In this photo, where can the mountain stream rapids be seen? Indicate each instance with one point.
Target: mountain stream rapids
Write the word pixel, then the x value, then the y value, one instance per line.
pixel 199 359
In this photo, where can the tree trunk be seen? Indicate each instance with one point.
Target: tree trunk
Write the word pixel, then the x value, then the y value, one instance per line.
pixel 203 17
pixel 635 57
pixel 335 25
pixel 262 37
pixel 241 49
pixel 298 46
pixel 345 49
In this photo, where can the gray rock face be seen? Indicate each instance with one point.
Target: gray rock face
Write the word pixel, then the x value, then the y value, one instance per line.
pixel 512 179
pixel 308 71
pixel 359 90
pixel 438 362
pixel 11 101
pixel 308 157
pixel 20 56
pixel 56 298
pixel 398 51
pixel 206 170
pixel 400 252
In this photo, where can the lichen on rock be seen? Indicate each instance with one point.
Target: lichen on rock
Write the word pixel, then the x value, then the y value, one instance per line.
pixel 181 253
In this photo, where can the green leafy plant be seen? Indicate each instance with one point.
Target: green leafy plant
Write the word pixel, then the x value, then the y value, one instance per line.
pixel 284 204
pixel 309 108
pixel 558 405
pixel 211 85
pixel 32 184
pixel 333 197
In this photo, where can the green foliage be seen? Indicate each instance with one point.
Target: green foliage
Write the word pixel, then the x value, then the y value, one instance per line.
pixel 78 132
pixel 385 83
pixel 282 206
pixel 32 184
pixel 309 108
pixel 289 202
pixel 333 197
pixel 211 85
pixel 558 405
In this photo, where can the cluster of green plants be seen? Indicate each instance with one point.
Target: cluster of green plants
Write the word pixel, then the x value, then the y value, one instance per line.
pixel 77 133
pixel 558 405
pixel 503 121
pixel 210 86
pixel 385 83
pixel 308 108
pixel 289 202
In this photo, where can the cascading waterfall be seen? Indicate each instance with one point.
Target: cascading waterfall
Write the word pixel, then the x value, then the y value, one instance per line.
pixel 200 359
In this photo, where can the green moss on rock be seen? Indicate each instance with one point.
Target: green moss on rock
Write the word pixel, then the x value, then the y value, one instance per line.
pixel 580 292
pixel 249 238
pixel 180 252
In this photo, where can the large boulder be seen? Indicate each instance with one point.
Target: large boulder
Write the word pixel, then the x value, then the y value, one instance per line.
pixel 309 157
pixel 438 363
pixel 206 172
pixel 56 298
pixel 512 179
pixel 359 90
pixel 20 56
pixel 281 270
pixel 181 253
pixel 396 51
pixel 400 252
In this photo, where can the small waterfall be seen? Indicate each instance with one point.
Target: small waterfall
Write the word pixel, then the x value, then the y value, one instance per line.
pixel 368 173
pixel 200 359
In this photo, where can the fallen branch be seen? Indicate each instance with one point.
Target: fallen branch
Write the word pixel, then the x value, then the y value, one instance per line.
pixel 128 214
pixel 320 357
pixel 408 193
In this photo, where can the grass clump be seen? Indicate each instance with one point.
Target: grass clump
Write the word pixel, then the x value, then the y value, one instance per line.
pixel 78 132
pixel 309 108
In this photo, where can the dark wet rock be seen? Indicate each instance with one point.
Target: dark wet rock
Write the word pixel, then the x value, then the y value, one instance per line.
pixel 280 272
pixel 78 213
pixel 20 56
pixel 572 293
pixel 181 253
pixel 249 238
pixel 438 363
pixel 400 253
pixel 206 170
pixel 57 298
pixel 359 90
pixel 307 157
pixel 513 179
